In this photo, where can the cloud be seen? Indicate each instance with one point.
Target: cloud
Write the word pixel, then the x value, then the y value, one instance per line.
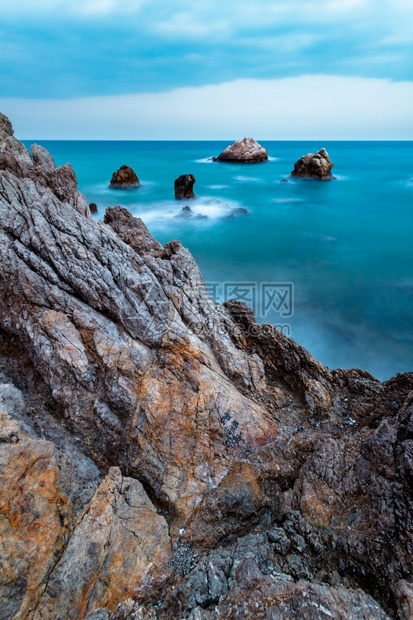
pixel 60 8
pixel 62 48
pixel 305 108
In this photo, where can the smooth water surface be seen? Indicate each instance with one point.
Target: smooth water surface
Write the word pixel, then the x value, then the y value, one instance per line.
pixel 346 245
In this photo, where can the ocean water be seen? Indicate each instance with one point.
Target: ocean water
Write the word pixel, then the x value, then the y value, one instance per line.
pixel 330 263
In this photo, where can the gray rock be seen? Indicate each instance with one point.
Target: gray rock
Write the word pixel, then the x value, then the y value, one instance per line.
pixel 246 151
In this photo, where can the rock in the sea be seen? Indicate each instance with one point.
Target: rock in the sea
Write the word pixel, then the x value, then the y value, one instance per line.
pixel 93 207
pixel 164 456
pixel 246 151
pixel 124 178
pixel 314 166
pixel 188 214
pixel 184 187
pixel 185 213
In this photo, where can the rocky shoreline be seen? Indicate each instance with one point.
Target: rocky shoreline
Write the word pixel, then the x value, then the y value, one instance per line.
pixel 163 456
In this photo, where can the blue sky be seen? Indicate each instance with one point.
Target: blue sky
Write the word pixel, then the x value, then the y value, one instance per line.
pixel 53 51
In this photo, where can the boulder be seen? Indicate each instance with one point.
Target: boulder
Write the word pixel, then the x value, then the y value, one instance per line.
pixel 184 187
pixel 93 207
pixel 124 178
pixel 245 151
pixel 314 166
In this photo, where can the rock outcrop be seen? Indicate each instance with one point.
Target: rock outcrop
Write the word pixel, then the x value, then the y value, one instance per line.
pixel 245 151
pixel 163 456
pixel 124 178
pixel 314 166
pixel 40 168
pixel 184 187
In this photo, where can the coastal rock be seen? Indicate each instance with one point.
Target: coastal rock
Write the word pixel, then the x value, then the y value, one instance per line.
pixel 165 456
pixel 314 166
pixel 185 213
pixel 93 207
pixel 132 231
pixel 117 547
pixel 246 151
pixel 40 168
pixel 184 187
pixel 124 178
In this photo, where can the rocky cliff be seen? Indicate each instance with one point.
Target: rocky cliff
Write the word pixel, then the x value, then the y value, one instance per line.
pixel 162 456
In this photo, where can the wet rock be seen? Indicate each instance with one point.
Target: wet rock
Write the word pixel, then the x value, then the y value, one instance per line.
pixel 93 207
pixel 124 178
pixel 314 166
pixel 246 151
pixel 184 187
pixel 186 213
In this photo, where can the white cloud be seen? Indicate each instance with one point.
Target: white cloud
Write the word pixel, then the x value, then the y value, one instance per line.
pixel 74 7
pixel 308 107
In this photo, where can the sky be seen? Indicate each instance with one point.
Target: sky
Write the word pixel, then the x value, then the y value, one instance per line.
pixel 174 69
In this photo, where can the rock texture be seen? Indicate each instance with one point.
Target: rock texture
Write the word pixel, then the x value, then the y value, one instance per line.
pixel 184 187
pixel 245 151
pixel 314 166
pixel 124 178
pixel 40 168
pixel 163 456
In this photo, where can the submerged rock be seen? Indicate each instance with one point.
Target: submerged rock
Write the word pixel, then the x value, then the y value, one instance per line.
pixel 162 455
pixel 246 151
pixel 236 213
pixel 124 178
pixel 184 187
pixel 314 166
pixel 188 214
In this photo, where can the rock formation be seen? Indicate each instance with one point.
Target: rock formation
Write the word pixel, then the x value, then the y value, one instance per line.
pixel 245 151
pixel 124 178
pixel 93 207
pixel 163 456
pixel 184 187
pixel 314 166
pixel 188 214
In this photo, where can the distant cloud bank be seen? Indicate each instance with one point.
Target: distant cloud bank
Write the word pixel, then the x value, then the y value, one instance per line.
pixel 310 107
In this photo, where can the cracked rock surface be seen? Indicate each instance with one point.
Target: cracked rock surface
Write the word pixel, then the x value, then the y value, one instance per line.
pixel 163 456
pixel 246 151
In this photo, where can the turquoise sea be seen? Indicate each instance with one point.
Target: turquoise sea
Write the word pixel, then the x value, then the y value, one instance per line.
pixel 346 246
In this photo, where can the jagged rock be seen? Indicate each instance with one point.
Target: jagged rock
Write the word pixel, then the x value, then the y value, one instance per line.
pixel 255 480
pixel 246 151
pixel 314 166
pixel 93 207
pixel 116 549
pixel 39 504
pixel 40 168
pixel 124 178
pixel 132 231
pixel 184 187
pixel 185 213
pixel 6 128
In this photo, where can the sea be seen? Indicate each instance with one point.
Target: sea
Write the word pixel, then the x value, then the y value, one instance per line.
pixel 329 263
